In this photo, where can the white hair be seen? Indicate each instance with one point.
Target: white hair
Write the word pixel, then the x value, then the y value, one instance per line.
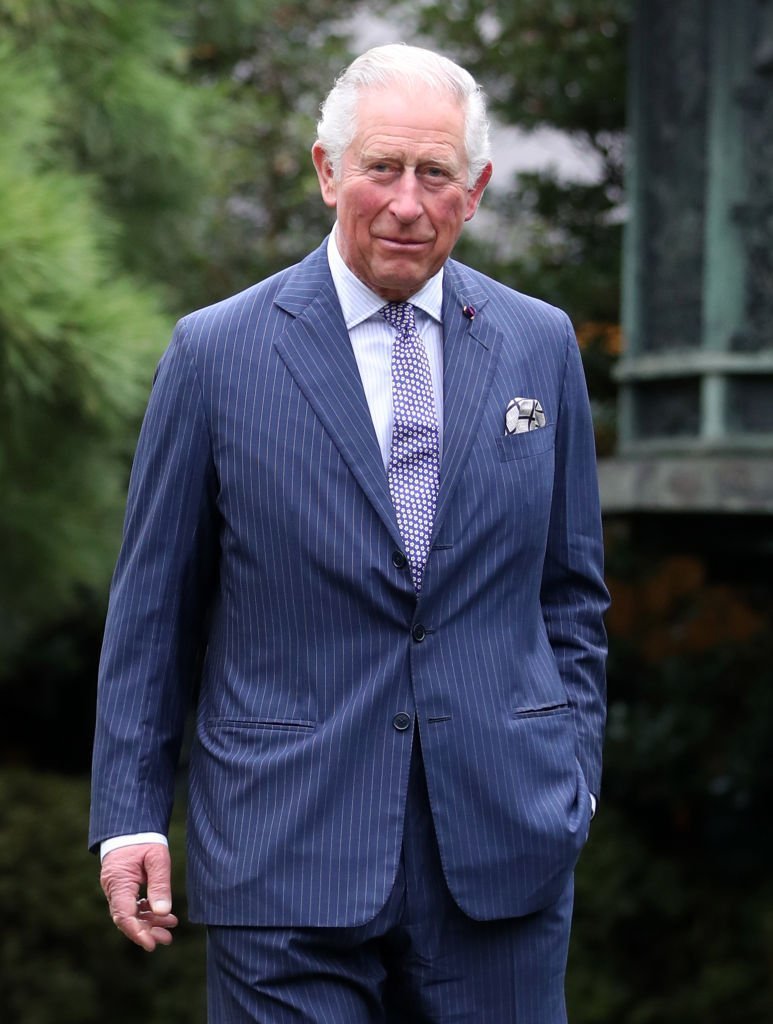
pixel 381 67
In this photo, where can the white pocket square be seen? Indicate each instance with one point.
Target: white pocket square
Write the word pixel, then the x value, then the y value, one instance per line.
pixel 524 414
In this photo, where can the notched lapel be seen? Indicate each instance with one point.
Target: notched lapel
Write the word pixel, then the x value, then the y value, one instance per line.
pixel 317 351
pixel 470 352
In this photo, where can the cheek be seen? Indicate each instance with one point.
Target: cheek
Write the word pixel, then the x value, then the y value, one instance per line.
pixel 359 207
pixel 449 217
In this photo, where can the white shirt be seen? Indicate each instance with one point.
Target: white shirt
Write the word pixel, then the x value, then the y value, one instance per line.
pixel 372 339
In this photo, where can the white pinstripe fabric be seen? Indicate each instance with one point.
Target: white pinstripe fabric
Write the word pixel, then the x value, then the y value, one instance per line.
pixel 420 957
pixel 259 521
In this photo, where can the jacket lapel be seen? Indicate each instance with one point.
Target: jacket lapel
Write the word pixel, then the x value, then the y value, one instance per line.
pixel 470 353
pixel 318 353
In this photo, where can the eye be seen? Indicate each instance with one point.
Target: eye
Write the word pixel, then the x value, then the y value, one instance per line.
pixel 381 168
pixel 435 174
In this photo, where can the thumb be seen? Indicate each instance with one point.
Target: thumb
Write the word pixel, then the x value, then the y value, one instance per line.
pixel 158 865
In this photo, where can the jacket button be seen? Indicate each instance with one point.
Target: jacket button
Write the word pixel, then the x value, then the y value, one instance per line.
pixel 418 632
pixel 399 561
pixel 401 721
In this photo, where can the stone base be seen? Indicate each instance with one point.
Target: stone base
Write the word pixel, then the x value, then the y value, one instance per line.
pixel 691 483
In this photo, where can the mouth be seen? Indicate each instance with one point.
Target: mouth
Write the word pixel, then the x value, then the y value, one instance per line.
pixel 404 243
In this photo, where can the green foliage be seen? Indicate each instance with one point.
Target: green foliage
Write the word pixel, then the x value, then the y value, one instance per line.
pixel 196 123
pixel 49 693
pixel 546 62
pixel 562 244
pixel 674 895
pixel 155 157
pixel 674 904
pixel 61 959
pixel 660 937
pixel 557 64
pixel 77 342
pixel 266 67
pixel 561 65
pixel 126 117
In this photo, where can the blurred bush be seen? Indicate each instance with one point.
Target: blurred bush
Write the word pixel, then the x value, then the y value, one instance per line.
pixel 61 959
pixel 674 907
pixel 78 340
pixel 154 158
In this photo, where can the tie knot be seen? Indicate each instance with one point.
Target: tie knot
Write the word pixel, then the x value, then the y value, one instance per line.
pixel 399 315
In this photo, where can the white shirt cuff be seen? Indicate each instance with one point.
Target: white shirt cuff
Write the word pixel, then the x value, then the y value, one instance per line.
pixel 117 842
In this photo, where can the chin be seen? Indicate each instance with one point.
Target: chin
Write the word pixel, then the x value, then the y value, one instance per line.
pixel 397 291
pixel 402 282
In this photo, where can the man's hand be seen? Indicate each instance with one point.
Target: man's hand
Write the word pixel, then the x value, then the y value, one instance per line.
pixel 146 921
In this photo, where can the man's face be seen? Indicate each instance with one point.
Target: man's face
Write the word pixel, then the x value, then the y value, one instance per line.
pixel 402 195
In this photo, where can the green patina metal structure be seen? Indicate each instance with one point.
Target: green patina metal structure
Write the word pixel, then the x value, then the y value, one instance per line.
pixel 696 378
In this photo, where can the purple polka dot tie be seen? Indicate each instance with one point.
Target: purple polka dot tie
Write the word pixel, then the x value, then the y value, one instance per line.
pixel 414 459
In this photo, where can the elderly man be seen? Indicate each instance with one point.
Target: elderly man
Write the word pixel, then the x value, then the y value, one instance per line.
pixel 363 527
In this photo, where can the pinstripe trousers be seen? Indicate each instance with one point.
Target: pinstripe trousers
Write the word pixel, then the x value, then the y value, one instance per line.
pixel 419 961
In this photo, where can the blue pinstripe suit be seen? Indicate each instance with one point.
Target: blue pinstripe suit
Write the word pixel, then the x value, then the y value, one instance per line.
pixel 260 531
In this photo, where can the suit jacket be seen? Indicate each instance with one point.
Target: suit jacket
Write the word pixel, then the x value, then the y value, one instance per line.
pixel 260 536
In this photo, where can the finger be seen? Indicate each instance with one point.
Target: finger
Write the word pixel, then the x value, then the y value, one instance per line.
pixel 121 892
pixel 147 931
pixel 158 868
pixel 137 931
pixel 149 917
pixel 162 936
pixel 121 876
pixel 148 938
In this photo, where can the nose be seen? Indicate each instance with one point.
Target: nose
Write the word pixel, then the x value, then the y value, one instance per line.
pixel 406 202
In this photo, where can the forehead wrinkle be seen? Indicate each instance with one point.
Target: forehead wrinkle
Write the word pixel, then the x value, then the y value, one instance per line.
pixel 409 151
pixel 377 153
pixel 405 135
pixel 390 126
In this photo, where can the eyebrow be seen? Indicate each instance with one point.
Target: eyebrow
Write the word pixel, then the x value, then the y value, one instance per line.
pixel 379 156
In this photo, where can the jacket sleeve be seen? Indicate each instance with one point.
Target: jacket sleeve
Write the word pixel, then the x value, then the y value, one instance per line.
pixel 574 597
pixel 154 633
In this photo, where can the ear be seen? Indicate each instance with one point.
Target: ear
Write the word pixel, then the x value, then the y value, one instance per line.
pixel 475 194
pixel 324 169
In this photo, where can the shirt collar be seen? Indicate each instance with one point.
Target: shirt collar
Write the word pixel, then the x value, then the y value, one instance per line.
pixel 359 303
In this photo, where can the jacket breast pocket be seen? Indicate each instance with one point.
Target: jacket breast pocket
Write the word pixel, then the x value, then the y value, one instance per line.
pixel 527 444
